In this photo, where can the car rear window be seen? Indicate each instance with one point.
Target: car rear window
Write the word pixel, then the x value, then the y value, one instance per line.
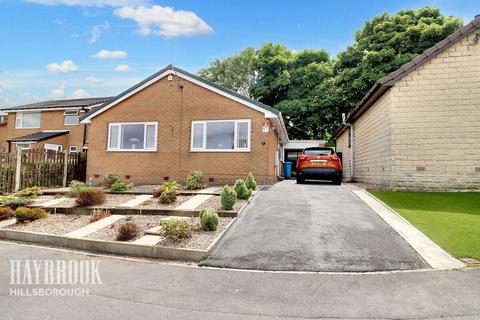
pixel 318 152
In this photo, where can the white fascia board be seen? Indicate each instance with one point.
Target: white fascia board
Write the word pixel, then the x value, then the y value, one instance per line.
pixel 267 113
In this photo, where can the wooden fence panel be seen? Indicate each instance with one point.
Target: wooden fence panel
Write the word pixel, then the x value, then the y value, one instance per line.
pixel 8 163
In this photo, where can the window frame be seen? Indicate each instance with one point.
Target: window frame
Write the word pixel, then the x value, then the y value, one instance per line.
pixel 23 143
pixel 70 149
pixel 77 113
pixel 204 138
pixel 119 139
pixel 58 147
pixel 19 115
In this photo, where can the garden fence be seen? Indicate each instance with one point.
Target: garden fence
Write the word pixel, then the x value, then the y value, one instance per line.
pixel 40 167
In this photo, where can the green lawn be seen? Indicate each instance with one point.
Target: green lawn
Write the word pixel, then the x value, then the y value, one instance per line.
pixel 452 220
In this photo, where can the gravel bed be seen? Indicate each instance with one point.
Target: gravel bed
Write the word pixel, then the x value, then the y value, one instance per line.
pixel 56 224
pixel 39 200
pixel 114 200
pixel 214 204
pixel 143 222
pixel 200 240
pixel 157 205
pixel 144 189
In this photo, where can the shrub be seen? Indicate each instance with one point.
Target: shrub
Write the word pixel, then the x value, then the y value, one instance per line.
pixel 30 214
pixel 157 192
pixel 75 187
pixel 14 202
pixel 228 198
pixel 127 231
pixel 175 229
pixel 121 187
pixel 168 196
pixel 32 192
pixel 195 181
pixel 89 196
pixel 99 214
pixel 6 213
pixel 241 189
pixel 250 182
pixel 172 185
pixel 110 179
pixel 208 220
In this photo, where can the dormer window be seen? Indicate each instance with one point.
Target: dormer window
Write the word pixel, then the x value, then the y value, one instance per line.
pixel 71 118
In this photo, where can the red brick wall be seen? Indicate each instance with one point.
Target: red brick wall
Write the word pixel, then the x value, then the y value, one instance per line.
pixel 175 109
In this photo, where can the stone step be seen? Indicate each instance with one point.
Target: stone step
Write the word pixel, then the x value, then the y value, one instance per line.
pixel 94 227
pixel 6 223
pixel 194 202
pixel 148 240
pixel 138 200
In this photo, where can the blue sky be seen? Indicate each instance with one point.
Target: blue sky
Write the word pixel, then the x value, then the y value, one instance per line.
pixel 53 49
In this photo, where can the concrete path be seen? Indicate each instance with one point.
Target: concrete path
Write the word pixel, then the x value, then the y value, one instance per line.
pixel 312 227
pixel 6 223
pixel 138 200
pixel 194 202
pixel 435 256
pixel 136 289
pixel 148 240
pixel 94 227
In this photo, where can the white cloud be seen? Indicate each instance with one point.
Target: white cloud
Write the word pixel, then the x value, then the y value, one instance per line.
pixel 124 68
pixel 66 66
pixel 164 21
pixel 58 93
pixel 96 31
pixel 106 54
pixel 92 3
pixel 94 80
pixel 80 93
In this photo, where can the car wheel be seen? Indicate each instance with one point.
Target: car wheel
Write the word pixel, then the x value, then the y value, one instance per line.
pixel 337 181
pixel 300 180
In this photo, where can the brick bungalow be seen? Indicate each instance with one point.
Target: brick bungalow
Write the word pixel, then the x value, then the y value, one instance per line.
pixel 418 128
pixel 173 123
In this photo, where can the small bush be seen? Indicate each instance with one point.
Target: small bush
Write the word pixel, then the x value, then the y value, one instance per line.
pixel 110 179
pixel 195 181
pixel 32 192
pixel 75 187
pixel 209 220
pixel 30 214
pixel 157 192
pixel 228 198
pixel 250 182
pixel 121 187
pixel 14 202
pixel 99 214
pixel 175 229
pixel 127 231
pixel 147 202
pixel 168 196
pixel 241 189
pixel 172 185
pixel 90 196
pixel 6 213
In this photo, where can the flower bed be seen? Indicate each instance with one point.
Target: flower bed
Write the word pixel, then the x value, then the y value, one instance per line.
pixel 214 204
pixel 56 224
pixel 155 203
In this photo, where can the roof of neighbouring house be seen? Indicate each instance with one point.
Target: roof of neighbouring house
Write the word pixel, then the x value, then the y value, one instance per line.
pixel 39 136
pixel 60 104
pixel 385 83
pixel 170 69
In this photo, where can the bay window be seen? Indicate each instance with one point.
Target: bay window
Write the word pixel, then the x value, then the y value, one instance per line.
pixel 220 135
pixel 132 136
pixel 27 120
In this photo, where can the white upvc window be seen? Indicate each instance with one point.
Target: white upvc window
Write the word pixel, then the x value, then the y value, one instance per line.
pixel 54 147
pixel 220 136
pixel 133 136
pixel 23 146
pixel 71 118
pixel 27 120
pixel 72 148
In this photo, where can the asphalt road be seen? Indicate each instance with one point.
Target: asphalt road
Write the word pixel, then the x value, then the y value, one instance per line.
pixel 312 227
pixel 155 290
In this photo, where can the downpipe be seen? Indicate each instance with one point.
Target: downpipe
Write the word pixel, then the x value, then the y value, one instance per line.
pixel 352 142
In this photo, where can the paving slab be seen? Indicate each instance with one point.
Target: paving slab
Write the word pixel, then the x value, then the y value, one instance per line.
pixel 194 202
pixel 94 227
pixel 50 203
pixel 208 190
pixel 312 227
pixel 138 200
pixel 6 223
pixel 148 240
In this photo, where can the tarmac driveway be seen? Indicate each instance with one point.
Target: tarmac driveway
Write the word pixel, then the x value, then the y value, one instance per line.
pixel 312 227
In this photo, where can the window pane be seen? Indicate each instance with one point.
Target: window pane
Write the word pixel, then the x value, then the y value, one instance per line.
pixel 71 119
pixel 197 142
pixel 132 136
pixel 113 143
pixel 151 143
pixel 220 135
pixel 18 120
pixel 31 120
pixel 242 135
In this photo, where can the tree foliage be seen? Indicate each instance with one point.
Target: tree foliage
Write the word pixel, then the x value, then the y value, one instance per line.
pixel 312 89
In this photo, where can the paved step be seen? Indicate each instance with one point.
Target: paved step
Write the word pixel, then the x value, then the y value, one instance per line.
pixel 50 203
pixel 148 240
pixel 194 202
pixel 138 200
pixel 94 227
pixel 208 190
pixel 6 223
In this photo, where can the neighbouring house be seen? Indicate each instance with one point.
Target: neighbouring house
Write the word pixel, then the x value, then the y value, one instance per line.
pixel 418 128
pixel 3 131
pixel 175 122
pixel 50 125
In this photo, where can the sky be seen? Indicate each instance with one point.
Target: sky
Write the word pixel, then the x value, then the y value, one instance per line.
pixel 62 49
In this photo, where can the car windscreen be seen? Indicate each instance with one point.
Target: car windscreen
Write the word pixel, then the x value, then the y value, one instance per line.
pixel 318 152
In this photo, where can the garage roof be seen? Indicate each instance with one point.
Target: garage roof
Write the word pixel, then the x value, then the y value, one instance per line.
pixel 39 136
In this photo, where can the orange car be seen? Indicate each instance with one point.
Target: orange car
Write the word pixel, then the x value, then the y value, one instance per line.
pixel 319 164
